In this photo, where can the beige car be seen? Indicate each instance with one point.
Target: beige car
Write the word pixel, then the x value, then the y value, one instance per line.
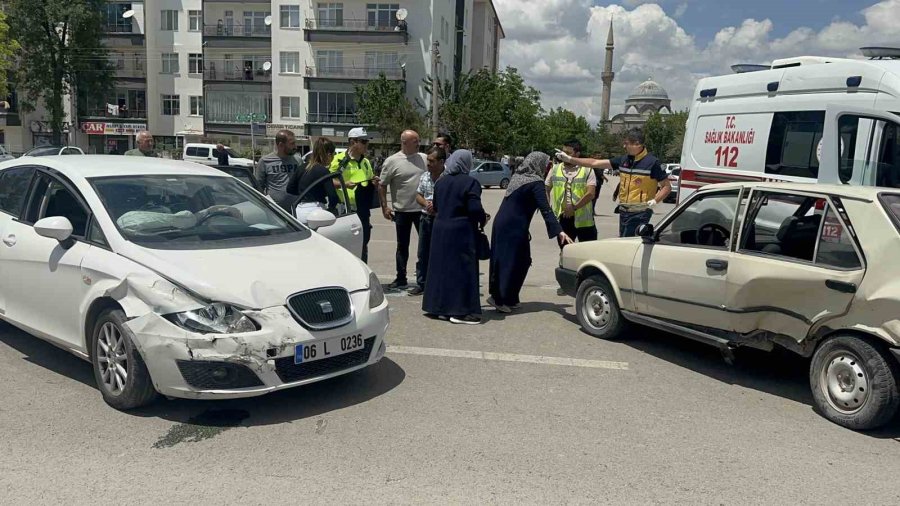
pixel 810 268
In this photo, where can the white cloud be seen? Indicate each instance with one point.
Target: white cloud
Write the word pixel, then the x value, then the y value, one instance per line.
pixel 559 47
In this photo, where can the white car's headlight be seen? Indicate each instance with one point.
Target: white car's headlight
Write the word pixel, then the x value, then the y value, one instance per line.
pixel 376 292
pixel 215 318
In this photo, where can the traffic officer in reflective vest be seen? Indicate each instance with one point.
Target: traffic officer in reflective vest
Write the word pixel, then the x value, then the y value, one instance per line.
pixel 570 190
pixel 642 181
pixel 360 181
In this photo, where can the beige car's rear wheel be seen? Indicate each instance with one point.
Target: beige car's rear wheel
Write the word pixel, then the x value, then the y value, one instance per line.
pixel 854 382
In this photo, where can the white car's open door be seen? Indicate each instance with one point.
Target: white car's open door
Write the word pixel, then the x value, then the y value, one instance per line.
pixel 347 229
pixel 859 146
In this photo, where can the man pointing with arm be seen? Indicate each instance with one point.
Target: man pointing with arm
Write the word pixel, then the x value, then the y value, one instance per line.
pixel 642 181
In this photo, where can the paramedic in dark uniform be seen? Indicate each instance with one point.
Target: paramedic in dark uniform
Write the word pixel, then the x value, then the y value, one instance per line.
pixel 642 181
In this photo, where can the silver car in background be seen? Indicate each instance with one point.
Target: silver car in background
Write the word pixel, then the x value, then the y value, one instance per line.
pixel 489 173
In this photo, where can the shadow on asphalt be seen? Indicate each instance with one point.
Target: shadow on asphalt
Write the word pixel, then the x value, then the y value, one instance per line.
pixel 489 314
pixel 779 372
pixel 278 407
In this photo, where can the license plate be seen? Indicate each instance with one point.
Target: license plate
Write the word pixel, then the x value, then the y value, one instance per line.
pixel 310 352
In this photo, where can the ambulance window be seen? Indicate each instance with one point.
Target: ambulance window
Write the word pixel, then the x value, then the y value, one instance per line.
pixel 793 143
pixel 869 151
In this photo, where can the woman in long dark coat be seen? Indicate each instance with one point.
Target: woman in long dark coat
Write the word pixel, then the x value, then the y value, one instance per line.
pixel 452 288
pixel 511 249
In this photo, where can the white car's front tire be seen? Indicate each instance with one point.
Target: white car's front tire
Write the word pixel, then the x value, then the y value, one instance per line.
pixel 122 376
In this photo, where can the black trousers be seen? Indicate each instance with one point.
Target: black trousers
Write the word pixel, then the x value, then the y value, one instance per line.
pixel 404 223
pixel 426 225
pixel 577 234
pixel 366 221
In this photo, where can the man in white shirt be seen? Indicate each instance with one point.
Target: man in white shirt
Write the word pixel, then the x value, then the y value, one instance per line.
pixel 401 173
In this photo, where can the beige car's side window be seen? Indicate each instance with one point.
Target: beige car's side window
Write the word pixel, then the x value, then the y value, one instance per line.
pixel 836 247
pixel 783 225
pixel 706 222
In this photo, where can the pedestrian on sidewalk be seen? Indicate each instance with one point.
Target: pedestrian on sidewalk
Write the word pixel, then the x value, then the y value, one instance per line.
pixel 401 173
pixel 452 292
pixel 642 181
pixel 511 250
pixel 570 190
pixel 359 180
pixel 221 155
pixel 425 197
pixel 275 169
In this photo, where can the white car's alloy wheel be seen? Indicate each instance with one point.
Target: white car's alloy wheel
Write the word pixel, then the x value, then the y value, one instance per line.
pixel 112 359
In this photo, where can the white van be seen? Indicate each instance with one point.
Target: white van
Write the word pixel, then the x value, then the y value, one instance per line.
pixel 804 119
pixel 207 154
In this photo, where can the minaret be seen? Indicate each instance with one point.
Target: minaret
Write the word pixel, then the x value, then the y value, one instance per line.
pixel 607 76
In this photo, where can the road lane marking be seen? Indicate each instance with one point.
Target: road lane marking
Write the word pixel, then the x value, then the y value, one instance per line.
pixel 508 357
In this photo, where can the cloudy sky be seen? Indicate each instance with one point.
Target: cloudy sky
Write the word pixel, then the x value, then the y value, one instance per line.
pixel 558 45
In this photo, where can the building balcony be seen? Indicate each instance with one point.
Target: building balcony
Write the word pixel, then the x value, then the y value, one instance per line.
pixel 131 73
pixel 353 30
pixel 130 114
pixel 124 31
pixel 355 73
pixel 237 36
pixel 332 119
pixel 223 71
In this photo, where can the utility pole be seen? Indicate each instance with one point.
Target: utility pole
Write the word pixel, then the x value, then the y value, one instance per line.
pixel 435 86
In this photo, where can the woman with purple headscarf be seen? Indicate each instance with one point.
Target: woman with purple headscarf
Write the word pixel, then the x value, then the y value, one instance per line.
pixel 511 251
pixel 452 288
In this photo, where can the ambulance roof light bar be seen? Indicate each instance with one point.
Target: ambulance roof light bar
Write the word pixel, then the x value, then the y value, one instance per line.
pixel 743 68
pixel 881 53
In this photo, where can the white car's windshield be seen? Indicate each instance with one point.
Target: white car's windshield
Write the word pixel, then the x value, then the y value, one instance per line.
pixel 191 212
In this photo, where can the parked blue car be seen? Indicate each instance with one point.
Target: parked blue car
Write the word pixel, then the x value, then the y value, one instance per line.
pixel 489 173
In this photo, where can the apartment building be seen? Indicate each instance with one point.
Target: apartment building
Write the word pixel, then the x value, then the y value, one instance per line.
pixel 235 70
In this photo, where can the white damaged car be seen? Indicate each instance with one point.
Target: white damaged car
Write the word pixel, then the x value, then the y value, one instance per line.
pixel 173 278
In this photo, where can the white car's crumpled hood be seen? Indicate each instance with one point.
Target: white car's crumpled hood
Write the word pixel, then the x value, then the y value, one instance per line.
pixel 256 277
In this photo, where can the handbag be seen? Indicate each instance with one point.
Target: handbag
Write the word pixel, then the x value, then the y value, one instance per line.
pixel 482 245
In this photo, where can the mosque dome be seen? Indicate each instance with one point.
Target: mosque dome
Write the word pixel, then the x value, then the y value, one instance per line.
pixel 648 90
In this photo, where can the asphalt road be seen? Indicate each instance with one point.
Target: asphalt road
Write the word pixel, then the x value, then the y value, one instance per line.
pixel 650 419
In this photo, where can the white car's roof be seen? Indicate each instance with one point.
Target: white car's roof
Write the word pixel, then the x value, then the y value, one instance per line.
pixel 89 166
pixel 857 192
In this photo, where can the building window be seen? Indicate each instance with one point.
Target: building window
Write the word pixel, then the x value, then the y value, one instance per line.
pixel 169 21
pixel 171 105
pixel 290 107
pixel 332 107
pixel 225 106
pixel 195 63
pixel 290 62
pixel 195 21
pixel 114 20
pixel 170 63
pixel 196 106
pixel 382 15
pixel 290 16
pixel 329 60
pixel 386 62
pixel 255 23
pixel 330 14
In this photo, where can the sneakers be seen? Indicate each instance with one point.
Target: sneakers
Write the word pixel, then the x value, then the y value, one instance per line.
pixel 499 307
pixel 417 291
pixel 398 284
pixel 465 320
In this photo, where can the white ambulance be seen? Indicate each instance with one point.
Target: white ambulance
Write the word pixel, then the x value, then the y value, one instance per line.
pixel 804 119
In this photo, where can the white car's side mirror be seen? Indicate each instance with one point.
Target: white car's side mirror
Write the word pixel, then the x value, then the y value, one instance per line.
pixel 55 227
pixel 320 218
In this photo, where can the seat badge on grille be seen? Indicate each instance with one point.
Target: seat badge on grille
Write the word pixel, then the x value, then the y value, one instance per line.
pixel 326 307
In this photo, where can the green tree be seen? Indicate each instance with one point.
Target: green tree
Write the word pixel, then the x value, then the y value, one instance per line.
pixel 9 47
pixel 61 49
pixel 657 135
pixel 561 125
pixel 677 123
pixel 382 104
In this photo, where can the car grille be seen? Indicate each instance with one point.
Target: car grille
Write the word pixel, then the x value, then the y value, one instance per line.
pixel 321 309
pixel 289 372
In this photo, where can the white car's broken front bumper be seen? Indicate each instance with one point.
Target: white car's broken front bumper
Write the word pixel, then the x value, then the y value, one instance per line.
pixel 181 362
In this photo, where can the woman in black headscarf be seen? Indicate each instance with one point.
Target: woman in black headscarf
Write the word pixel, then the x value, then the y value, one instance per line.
pixel 452 288
pixel 511 251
